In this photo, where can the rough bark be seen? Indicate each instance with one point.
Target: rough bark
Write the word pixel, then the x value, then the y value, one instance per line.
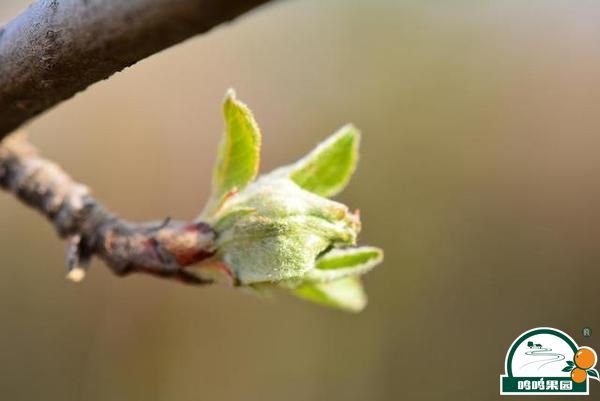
pixel 57 48
pixel 160 248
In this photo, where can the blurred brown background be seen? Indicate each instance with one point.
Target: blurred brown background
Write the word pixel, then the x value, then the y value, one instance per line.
pixel 479 177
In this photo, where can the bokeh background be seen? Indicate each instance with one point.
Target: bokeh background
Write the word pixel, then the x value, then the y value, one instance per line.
pixel 479 177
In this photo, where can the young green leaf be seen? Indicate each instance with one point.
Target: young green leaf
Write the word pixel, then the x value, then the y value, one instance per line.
pixel 327 169
pixel 239 152
pixel 347 294
pixel 340 263
pixel 349 257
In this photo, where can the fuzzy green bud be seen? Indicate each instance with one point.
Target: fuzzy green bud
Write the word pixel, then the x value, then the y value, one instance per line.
pixel 280 230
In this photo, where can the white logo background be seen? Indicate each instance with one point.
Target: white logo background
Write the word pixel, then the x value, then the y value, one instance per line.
pixel 542 355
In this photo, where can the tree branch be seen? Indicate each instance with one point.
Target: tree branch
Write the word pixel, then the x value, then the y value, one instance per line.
pixel 159 248
pixel 57 48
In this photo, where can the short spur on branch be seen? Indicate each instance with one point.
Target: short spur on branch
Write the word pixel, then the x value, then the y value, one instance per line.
pixel 275 231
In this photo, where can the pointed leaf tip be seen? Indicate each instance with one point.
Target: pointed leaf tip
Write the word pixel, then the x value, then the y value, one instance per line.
pixel 238 157
pixel 230 94
pixel 327 169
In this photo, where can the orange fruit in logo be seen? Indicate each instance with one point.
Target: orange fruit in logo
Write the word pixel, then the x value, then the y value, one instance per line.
pixel 585 358
pixel 578 375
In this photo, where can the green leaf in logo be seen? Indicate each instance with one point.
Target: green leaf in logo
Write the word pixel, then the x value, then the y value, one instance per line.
pixel 567 368
pixel 570 363
pixel 592 373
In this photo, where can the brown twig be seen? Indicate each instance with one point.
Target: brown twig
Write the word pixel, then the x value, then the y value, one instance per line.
pixel 161 248
pixel 57 48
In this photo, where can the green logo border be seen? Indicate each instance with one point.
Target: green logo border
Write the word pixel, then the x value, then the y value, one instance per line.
pixel 506 380
pixel 526 335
